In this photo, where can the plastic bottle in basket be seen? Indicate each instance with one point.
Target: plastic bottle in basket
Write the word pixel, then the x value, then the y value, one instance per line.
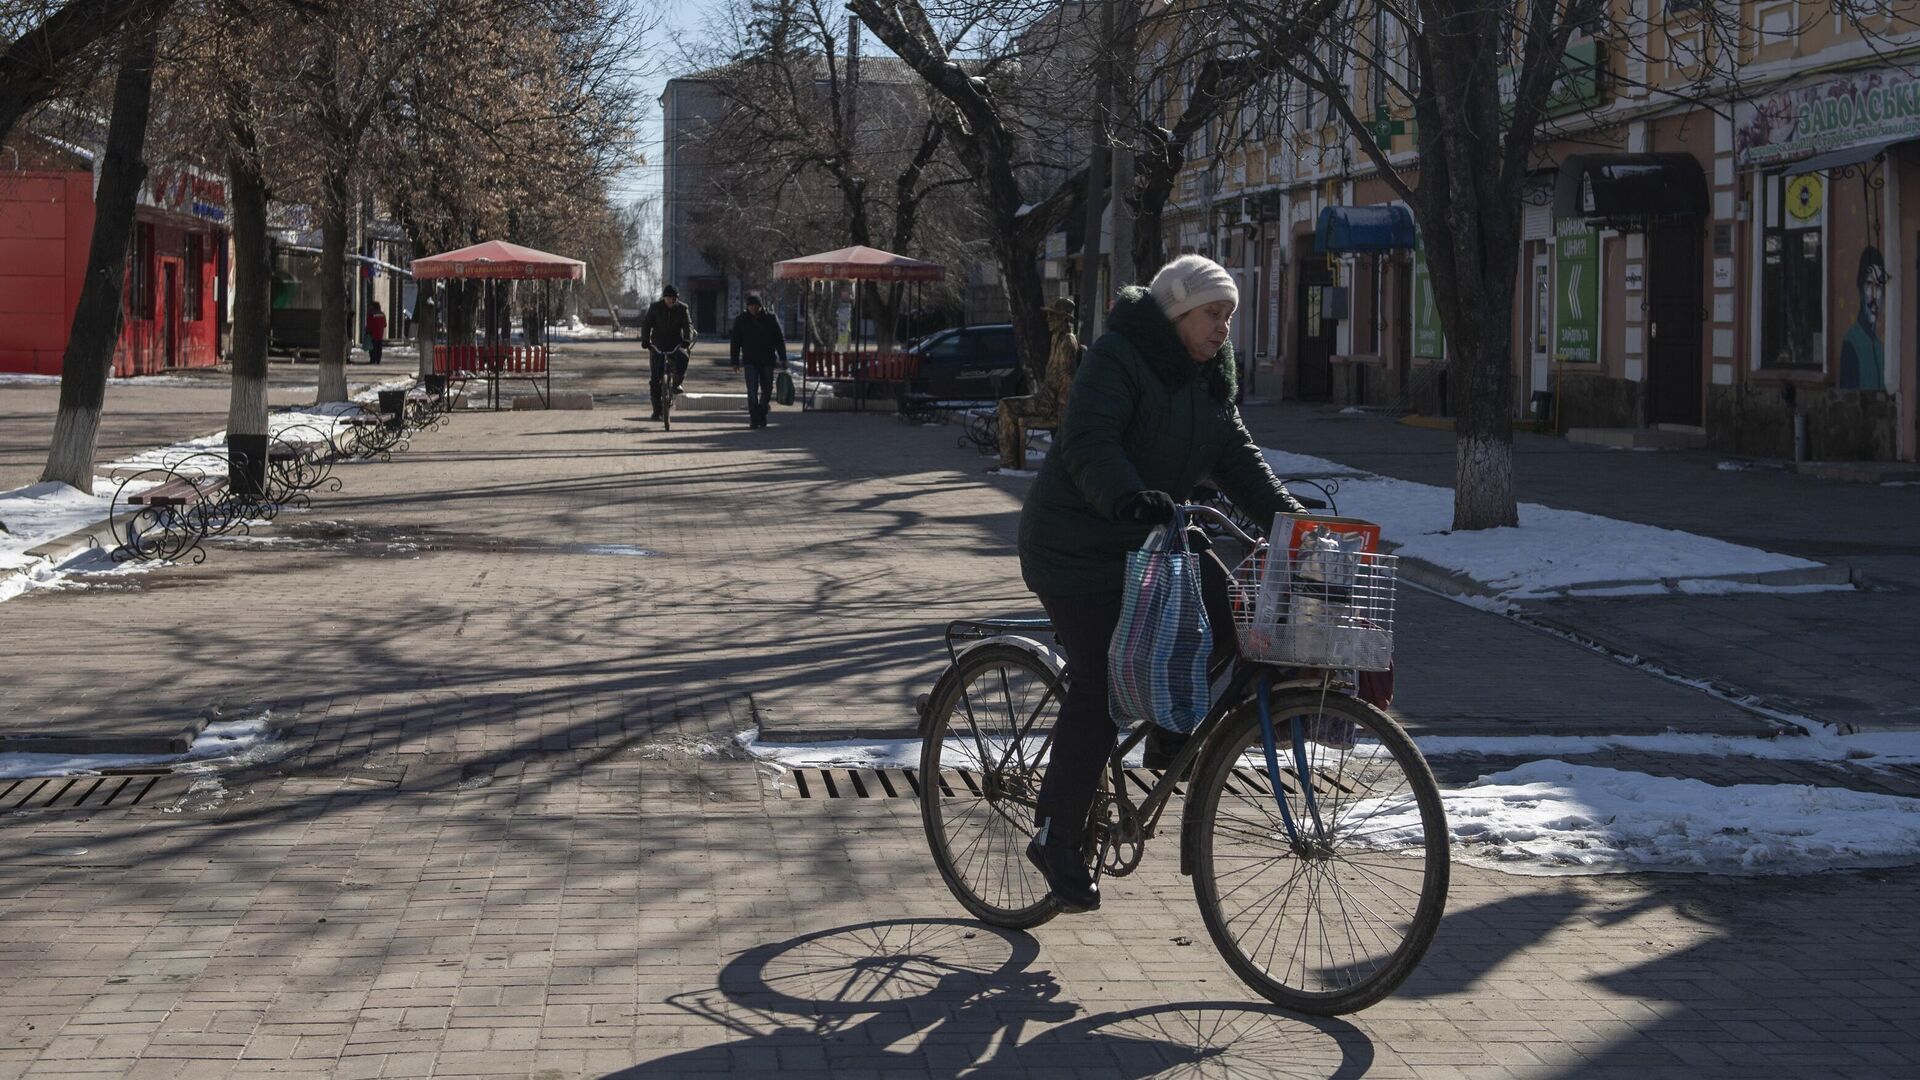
pixel 1321 604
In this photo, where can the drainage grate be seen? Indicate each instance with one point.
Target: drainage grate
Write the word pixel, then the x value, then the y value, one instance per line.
pixel 818 783
pixel 114 789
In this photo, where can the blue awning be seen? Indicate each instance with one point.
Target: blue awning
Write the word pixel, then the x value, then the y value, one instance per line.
pixel 1363 228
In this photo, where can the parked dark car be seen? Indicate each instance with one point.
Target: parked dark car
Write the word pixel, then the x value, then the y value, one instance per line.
pixel 972 363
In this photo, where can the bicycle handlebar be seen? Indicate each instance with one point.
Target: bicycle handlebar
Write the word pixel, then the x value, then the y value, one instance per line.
pixel 1192 509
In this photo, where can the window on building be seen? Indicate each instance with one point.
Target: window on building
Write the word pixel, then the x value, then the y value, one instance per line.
pixel 140 290
pixel 1793 296
pixel 192 297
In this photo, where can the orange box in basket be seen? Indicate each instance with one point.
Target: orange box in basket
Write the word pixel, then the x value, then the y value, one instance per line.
pixel 1291 527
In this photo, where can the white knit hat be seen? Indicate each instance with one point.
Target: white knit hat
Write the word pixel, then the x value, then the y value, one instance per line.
pixel 1192 281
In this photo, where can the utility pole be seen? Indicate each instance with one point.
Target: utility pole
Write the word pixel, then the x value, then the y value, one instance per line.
pixel 1092 303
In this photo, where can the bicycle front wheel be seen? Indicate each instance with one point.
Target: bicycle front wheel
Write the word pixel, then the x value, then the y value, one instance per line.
pixel 1324 896
pixel 989 733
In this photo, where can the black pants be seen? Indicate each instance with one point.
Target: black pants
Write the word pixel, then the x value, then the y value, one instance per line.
pixel 759 391
pixel 1084 736
pixel 661 362
pixel 374 345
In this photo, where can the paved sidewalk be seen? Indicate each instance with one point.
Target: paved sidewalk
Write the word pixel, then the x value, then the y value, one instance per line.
pixel 499 843
pixel 1845 657
pixel 562 578
pixel 604 912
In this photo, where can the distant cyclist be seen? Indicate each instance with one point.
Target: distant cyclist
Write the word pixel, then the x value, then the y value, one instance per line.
pixel 668 332
pixel 1151 416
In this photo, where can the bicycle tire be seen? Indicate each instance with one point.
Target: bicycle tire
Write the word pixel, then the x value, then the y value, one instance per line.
pixel 970 756
pixel 1364 795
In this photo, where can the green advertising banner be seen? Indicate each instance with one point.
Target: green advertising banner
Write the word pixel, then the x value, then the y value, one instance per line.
pixel 1429 339
pixel 1576 309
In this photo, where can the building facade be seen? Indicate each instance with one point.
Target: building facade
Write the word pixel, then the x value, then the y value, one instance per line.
pixel 176 282
pixel 1727 272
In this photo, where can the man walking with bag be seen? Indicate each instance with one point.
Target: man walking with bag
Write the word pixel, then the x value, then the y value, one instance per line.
pixel 759 342
pixel 667 331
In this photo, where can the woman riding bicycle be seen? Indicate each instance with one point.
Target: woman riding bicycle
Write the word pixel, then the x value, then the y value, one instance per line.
pixel 1151 414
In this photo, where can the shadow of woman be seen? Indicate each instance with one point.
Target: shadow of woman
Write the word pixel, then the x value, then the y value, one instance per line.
pixel 947 998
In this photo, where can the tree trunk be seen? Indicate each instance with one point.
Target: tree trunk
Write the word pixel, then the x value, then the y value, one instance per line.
pixel 97 315
pixel 1483 423
pixel 1154 171
pixel 424 316
pixel 1026 300
pixel 252 282
pixel 335 339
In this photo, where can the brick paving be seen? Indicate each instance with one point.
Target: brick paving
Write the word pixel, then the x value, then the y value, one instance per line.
pixel 496 846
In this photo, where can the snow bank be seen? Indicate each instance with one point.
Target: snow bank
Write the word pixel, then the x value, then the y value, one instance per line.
pixel 1550 817
pixel 1551 551
pixel 244 740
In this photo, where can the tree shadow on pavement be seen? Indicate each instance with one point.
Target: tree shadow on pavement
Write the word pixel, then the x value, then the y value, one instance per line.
pixel 947 998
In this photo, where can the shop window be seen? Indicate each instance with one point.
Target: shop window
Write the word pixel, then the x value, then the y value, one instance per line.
pixel 1792 286
pixel 193 293
pixel 139 289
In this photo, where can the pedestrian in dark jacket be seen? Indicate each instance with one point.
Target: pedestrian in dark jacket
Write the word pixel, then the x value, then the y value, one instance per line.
pixel 1151 415
pixel 759 342
pixel 667 330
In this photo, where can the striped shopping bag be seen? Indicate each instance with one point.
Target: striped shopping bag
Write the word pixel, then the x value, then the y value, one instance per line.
pixel 1157 662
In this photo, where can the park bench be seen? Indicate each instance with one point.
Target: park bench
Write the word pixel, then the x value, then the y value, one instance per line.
pixel 190 503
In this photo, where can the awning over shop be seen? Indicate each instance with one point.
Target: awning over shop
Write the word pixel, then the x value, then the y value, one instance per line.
pixel 1840 159
pixel 1626 189
pixel 1363 228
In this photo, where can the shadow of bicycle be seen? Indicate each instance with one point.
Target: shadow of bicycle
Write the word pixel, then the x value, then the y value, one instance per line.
pixel 947 998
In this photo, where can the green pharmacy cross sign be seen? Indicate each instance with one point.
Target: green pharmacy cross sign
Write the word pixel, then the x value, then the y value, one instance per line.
pixel 1385 127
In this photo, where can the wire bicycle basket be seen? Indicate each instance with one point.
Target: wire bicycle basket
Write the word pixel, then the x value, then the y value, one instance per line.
pixel 1322 604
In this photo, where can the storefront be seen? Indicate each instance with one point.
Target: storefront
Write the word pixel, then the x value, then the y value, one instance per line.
pixel 176 270
pixel 1833 168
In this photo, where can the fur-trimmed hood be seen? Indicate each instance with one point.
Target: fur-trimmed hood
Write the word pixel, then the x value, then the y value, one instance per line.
pixel 1138 319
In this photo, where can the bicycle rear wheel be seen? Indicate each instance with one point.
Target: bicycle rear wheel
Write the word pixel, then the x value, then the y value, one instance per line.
pixel 988 735
pixel 1328 905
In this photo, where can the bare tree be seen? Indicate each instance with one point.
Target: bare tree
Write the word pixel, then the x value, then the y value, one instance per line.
pixel 985 127
pixel 50 45
pixel 97 314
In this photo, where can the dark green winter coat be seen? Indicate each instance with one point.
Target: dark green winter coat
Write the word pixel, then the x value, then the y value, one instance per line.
pixel 1142 415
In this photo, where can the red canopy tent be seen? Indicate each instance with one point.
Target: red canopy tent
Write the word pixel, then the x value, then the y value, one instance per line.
pixel 495 263
pixel 856 363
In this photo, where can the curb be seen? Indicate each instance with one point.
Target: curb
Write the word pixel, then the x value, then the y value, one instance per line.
pixel 77 745
pixel 1439 579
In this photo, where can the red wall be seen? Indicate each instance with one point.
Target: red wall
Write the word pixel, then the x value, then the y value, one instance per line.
pixel 46 223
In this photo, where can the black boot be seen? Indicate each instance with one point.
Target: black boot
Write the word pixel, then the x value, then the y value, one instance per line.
pixel 1162 747
pixel 1069 879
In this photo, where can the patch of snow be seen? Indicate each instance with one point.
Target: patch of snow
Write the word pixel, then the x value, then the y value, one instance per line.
pixel 228 741
pixel 1822 744
pixel 1551 817
pixel 47 511
pixel 1551 549
pixel 1024 474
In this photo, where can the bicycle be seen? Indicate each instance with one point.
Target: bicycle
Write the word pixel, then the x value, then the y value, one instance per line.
pixel 675 371
pixel 1290 771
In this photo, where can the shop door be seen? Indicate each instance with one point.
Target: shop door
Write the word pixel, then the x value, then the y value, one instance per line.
pixel 1314 336
pixel 1402 325
pixel 1674 319
pixel 1540 323
pixel 167 319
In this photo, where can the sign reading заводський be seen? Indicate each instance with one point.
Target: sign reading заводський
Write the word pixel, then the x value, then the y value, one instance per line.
pixel 1852 110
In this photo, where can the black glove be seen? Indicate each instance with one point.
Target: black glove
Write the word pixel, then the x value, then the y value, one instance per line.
pixel 1147 508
